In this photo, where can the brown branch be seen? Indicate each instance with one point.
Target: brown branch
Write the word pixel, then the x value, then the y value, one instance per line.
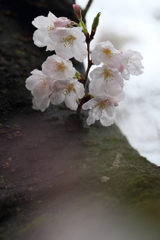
pixel 84 11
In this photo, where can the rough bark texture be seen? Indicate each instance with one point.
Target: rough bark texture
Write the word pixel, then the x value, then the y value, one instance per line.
pixel 60 179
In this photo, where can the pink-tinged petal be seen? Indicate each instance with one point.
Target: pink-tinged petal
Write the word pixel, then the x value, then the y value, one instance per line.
pixel 110 110
pixel 57 98
pixel 58 85
pixel 79 34
pixel 97 112
pixel 71 101
pixel 62 22
pixel 50 45
pixel 105 52
pixel 40 90
pixel 106 122
pixel 96 73
pixel 37 72
pixel 88 105
pixel 135 68
pixel 69 43
pixel 58 34
pixel 41 104
pixel 90 120
pixel 58 68
pixel 113 89
pixel 131 64
pixel 96 87
pixel 119 97
pixel 41 22
pixel 79 89
pixel 42 39
pixel 31 82
pixel 96 57
pixel 62 51
pixel 125 74
pixel 80 51
pixel 52 17
pixel 70 72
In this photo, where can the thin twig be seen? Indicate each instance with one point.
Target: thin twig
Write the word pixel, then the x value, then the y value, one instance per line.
pixel 84 11
pixel 88 40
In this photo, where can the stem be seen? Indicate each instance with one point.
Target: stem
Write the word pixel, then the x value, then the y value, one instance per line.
pixel 89 62
pixel 88 40
pixel 84 11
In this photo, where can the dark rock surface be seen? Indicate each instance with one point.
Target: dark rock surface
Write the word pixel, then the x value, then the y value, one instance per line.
pixel 60 179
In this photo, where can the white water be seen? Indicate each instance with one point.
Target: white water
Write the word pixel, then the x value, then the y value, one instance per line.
pixel 138 116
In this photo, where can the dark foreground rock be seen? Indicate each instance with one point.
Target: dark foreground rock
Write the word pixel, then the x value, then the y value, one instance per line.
pixel 60 179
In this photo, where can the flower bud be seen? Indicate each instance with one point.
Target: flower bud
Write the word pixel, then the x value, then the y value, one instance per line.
pixel 77 11
pixel 95 24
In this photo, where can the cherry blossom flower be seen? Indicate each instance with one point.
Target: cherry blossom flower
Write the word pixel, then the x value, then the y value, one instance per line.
pixel 101 108
pixel 39 85
pixel 45 26
pixel 105 80
pixel 106 53
pixel 58 68
pixel 69 43
pixel 67 90
pixel 60 82
pixel 130 64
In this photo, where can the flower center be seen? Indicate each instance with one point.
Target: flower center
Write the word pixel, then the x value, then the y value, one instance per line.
pixel 68 40
pixel 43 82
pixel 69 88
pixel 50 28
pixel 107 75
pixel 60 66
pixel 103 104
pixel 107 52
pixel 129 62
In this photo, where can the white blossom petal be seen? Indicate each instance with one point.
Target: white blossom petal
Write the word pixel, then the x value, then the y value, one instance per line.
pixel 70 43
pixel 46 25
pixel 40 90
pixel 106 53
pixel 106 80
pixel 58 68
pixel 41 104
pixel 68 90
pixel 71 101
pixel 101 108
pixel 57 98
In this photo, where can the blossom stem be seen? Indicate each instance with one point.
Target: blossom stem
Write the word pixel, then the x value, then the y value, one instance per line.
pixel 84 11
pixel 89 62
pixel 88 40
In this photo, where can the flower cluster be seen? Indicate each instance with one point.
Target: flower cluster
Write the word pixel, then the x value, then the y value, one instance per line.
pixel 59 81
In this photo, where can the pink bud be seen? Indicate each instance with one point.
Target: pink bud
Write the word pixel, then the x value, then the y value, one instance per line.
pixel 62 22
pixel 77 11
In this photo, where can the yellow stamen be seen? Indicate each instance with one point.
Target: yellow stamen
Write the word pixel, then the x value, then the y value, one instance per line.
pixel 107 75
pixel 103 104
pixel 69 88
pixel 50 28
pixel 60 66
pixel 43 82
pixel 68 40
pixel 107 52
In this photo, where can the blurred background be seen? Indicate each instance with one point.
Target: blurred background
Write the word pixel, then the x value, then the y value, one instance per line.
pixel 135 24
